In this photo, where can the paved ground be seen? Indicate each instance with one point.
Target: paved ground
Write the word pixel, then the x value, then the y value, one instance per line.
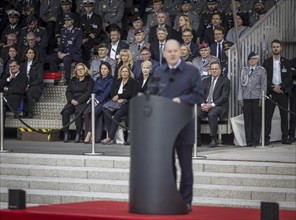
pixel 275 153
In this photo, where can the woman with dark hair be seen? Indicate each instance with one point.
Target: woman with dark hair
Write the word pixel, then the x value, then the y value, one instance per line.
pixel 102 88
pixel 123 89
pixel 241 29
pixel 77 94
pixel 34 70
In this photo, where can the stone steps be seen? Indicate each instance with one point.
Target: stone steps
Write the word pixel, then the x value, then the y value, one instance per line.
pixel 50 179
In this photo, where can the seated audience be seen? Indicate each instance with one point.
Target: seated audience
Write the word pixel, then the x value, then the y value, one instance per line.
pixel 157 46
pixel 216 92
pixel 34 70
pixel 186 54
pixel 100 58
pixel 145 77
pixel 78 93
pixel 102 88
pixel 202 63
pixel 241 29
pixel 123 89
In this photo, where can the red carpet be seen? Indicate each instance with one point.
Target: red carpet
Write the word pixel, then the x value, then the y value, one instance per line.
pixel 119 211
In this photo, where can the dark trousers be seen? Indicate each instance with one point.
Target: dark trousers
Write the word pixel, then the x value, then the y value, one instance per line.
pixel 30 99
pixel 252 121
pixel 67 112
pixel 98 123
pixel 282 100
pixel 292 126
pixel 86 50
pixel 184 153
pixel 117 115
pixel 213 115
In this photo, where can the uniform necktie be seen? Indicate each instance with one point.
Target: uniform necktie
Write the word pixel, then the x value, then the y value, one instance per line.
pixel 250 73
pixel 139 47
pixel 210 96
pixel 160 53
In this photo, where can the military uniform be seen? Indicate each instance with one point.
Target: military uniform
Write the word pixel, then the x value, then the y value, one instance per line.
pixel 91 30
pixel 49 9
pixel 193 17
pixel 198 6
pixel 61 22
pixel 203 65
pixel 172 7
pixel 113 13
pixel 11 28
pixel 135 50
pixel 152 20
pixel 95 66
pixel 252 83
pixel 131 37
pixel 71 44
pixel 40 33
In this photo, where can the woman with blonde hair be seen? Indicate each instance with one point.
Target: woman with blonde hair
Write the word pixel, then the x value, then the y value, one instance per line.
pixel 125 58
pixel 183 24
pixel 186 53
pixel 78 92
pixel 145 76
pixel 123 89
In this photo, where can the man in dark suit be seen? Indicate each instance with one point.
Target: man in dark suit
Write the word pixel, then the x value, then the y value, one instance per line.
pixel 14 86
pixel 209 31
pixel 215 103
pixel 157 47
pixel 161 22
pixel 182 85
pixel 116 45
pixel 187 37
pixel 145 56
pixel 217 48
pixel 279 82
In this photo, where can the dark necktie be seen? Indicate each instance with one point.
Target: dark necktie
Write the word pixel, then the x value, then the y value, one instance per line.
pixel 109 2
pixel 219 51
pixel 250 73
pixel 210 96
pixel 139 47
pixel 160 53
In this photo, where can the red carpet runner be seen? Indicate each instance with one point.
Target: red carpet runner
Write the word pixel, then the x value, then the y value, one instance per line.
pixel 100 210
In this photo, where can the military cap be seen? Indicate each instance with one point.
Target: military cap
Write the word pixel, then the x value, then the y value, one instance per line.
pixel 136 17
pixel 259 1
pixel 68 16
pixel 183 2
pixel 211 1
pixel 138 31
pixel 13 13
pixel 252 54
pixel 66 2
pixel 88 2
pixel 102 45
pixel 203 45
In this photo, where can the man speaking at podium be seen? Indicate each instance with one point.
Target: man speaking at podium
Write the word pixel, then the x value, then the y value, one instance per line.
pixel 181 83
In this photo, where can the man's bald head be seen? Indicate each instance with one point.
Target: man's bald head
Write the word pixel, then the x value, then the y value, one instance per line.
pixel 172 52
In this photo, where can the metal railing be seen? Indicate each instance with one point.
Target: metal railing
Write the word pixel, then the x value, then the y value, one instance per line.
pixel 278 23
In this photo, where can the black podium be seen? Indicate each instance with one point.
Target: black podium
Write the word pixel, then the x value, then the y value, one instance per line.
pixel 155 123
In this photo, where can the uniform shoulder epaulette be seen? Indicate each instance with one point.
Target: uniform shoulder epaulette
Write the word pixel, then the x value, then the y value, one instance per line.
pixel 214 56
pixel 261 67
pixel 133 44
pixel 245 67
pixel 24 28
pixel 42 28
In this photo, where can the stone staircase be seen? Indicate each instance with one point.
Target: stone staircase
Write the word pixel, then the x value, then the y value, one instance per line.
pixel 55 179
pixel 46 111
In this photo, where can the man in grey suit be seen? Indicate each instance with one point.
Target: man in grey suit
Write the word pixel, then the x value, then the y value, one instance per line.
pixel 182 84
pixel 215 105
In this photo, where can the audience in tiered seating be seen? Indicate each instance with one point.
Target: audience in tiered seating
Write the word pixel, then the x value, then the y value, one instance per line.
pixel 71 31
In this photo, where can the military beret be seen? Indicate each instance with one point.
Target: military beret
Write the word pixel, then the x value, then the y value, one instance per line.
pixel 13 13
pixel 252 54
pixel 68 16
pixel 203 45
pixel 183 2
pixel 136 17
pixel 66 2
pixel 138 31
pixel 102 45
pixel 88 2
pixel 211 1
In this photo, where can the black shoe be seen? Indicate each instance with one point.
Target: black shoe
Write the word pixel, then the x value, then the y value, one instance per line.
pixel 189 207
pixel 266 142
pixel 126 143
pixel 286 141
pixel 66 136
pixel 213 143
pixel 292 139
pixel 78 137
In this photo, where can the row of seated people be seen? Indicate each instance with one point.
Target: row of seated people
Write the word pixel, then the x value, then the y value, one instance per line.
pixel 92 32
pixel 124 86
